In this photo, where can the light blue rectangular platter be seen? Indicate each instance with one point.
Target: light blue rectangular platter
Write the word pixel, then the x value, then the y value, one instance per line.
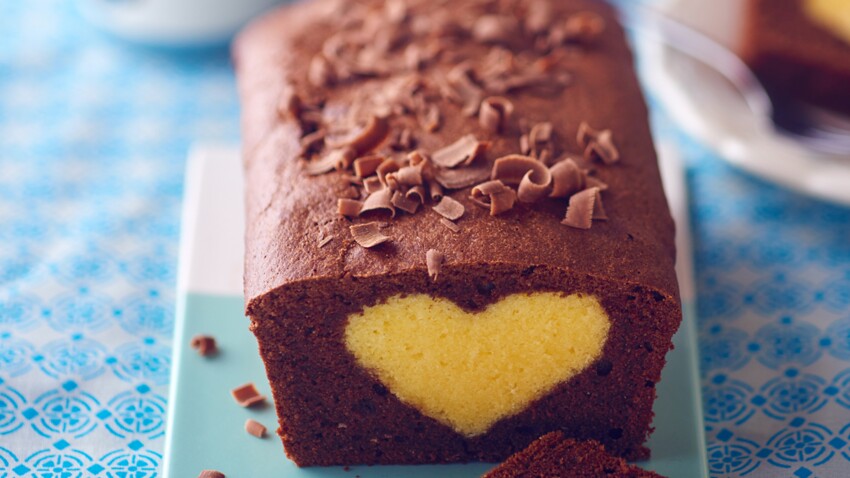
pixel 206 426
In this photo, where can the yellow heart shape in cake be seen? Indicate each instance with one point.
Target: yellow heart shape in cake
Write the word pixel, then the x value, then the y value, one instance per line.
pixel 470 370
pixel 831 14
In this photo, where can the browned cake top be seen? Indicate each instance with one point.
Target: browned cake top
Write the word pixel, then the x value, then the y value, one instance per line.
pixel 419 76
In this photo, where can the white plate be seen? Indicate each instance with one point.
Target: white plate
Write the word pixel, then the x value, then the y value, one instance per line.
pixel 707 107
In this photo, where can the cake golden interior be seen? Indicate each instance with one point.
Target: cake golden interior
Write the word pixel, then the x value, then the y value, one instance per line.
pixel 469 370
pixel 834 15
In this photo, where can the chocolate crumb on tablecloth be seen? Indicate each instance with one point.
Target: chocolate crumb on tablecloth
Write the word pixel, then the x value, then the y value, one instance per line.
pixel 255 428
pixel 247 395
pixel 205 345
pixel 211 474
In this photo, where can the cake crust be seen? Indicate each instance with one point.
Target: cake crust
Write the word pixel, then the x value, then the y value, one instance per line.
pixel 300 289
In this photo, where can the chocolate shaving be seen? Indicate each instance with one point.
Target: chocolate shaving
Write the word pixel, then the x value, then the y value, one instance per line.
pixel 211 474
pixel 495 195
pixel 404 203
pixel 525 144
pixel 416 158
pixel 469 94
pixel 539 16
pixel 204 345
pixel 495 114
pixel 373 184
pixel 379 201
pixel 596 183
pixel 402 140
pixel 512 168
pixel 603 148
pixel 435 191
pixel 584 27
pixel 546 82
pixel 429 120
pixel 367 165
pixel 449 209
pixel 540 133
pixel 374 133
pixel 312 142
pixel 325 241
pixel 450 225
pixel 530 191
pixel 320 73
pixel 567 179
pixel 581 208
pixel 335 159
pixel 247 395
pixel 434 261
pixel 460 178
pixel 385 168
pixel 368 235
pixel 495 29
pixel 409 176
pixel 348 207
pixel 255 428
pixel 416 193
pixel 463 151
pixel 586 134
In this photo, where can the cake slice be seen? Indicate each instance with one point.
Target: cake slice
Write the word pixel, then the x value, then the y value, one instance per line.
pixel 800 49
pixel 553 456
pixel 457 239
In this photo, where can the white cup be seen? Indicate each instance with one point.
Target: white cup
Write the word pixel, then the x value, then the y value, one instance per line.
pixel 173 22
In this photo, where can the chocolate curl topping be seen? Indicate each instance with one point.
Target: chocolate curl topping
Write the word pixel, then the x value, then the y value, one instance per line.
pixel 464 89
pixel 512 168
pixel 378 201
pixel 368 235
pixel 367 165
pixel 404 203
pixel 434 261
pixel 320 74
pixel 581 207
pixel 409 176
pixel 495 29
pixel 495 114
pixel 567 179
pixel 247 395
pixel 416 193
pixel 603 148
pixel 211 474
pixel 596 183
pixel 435 191
pixel 312 142
pixel 539 16
pixel 373 184
pixel 530 191
pixel 586 134
pixel 584 27
pixel 385 168
pixel 460 178
pixel 373 134
pixel 348 207
pixel 255 428
pixel 463 151
pixel 450 225
pixel 494 194
pixel 336 159
pixel 429 119
pixel 449 209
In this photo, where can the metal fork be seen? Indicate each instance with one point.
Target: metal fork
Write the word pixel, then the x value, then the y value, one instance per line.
pixel 810 126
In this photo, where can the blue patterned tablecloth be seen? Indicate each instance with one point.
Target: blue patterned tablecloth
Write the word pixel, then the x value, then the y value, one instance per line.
pixel 93 138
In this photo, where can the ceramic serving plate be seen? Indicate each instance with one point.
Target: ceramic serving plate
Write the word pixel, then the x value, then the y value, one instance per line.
pixel 205 425
pixel 706 106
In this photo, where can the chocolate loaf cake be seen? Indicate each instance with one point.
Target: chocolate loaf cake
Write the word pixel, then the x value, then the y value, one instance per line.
pixel 554 456
pixel 800 49
pixel 457 239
